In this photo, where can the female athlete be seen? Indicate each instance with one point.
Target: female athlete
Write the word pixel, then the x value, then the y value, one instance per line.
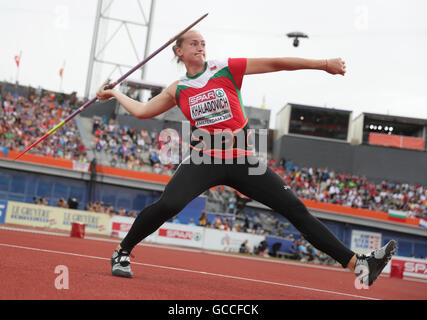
pixel 209 97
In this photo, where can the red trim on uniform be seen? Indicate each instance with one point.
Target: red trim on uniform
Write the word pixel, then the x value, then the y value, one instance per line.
pixel 237 67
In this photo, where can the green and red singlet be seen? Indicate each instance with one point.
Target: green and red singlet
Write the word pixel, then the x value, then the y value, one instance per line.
pixel 211 101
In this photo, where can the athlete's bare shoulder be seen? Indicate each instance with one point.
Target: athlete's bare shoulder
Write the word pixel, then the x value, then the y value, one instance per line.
pixel 171 89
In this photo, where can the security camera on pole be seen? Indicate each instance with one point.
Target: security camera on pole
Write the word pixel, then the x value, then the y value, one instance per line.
pixel 296 35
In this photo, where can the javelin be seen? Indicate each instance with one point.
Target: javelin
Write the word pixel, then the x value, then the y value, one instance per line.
pixel 112 85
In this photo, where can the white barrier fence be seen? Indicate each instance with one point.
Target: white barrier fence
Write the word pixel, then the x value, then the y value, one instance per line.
pixel 190 236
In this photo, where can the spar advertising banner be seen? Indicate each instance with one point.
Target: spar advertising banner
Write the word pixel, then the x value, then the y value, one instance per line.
pixel 404 267
pixel 179 234
pixel 56 218
pixel 3 208
pixel 229 241
pixel 365 242
pixel 189 236
pixel 120 226
pixel 412 268
pixel 168 233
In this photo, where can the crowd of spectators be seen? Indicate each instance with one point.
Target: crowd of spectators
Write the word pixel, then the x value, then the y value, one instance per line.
pixel 219 222
pixel 24 120
pixel 130 148
pixel 61 203
pixel 326 185
pixel 96 206
pixel 303 251
pixel 101 207
pixel 40 201
pixel 232 223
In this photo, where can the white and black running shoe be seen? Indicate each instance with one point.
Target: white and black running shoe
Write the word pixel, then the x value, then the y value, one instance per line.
pixel 368 268
pixel 120 264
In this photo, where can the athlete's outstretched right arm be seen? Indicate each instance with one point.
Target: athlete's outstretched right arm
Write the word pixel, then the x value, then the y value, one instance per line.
pixel 158 105
pixel 264 65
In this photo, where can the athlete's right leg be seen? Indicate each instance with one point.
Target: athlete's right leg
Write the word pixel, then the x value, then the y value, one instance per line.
pixel 188 181
pixel 278 196
pixel 270 189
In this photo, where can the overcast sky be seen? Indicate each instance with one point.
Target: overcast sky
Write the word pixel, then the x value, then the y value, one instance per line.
pixel 384 44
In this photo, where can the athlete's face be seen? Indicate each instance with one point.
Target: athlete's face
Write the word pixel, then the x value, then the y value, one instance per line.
pixel 193 48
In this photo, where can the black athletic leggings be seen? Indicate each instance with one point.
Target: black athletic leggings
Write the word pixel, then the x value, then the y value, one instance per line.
pixel 190 180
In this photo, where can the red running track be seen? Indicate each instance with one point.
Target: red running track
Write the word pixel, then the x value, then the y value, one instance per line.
pixel 167 273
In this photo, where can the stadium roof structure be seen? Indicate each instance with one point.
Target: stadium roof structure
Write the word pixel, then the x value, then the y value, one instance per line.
pixel 387 117
pixel 142 84
pixel 313 121
pixel 259 118
pixel 367 125
pixel 315 108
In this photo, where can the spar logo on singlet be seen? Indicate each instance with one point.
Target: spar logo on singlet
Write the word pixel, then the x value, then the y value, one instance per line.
pixel 210 107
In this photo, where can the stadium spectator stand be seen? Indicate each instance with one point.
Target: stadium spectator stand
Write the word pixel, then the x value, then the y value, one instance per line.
pixel 24 120
pixel 326 185
pixel 125 147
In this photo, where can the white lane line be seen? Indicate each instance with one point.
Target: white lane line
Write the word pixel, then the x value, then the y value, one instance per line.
pixel 194 271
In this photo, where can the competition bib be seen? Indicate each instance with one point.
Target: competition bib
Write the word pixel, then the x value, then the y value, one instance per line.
pixel 210 107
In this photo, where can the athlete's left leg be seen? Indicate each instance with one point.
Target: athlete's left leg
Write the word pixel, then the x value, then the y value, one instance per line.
pixel 270 189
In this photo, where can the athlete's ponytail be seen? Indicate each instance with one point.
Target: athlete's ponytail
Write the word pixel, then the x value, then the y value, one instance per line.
pixel 176 46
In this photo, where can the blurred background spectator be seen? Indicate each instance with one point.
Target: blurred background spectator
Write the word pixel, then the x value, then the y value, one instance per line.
pixel 244 247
